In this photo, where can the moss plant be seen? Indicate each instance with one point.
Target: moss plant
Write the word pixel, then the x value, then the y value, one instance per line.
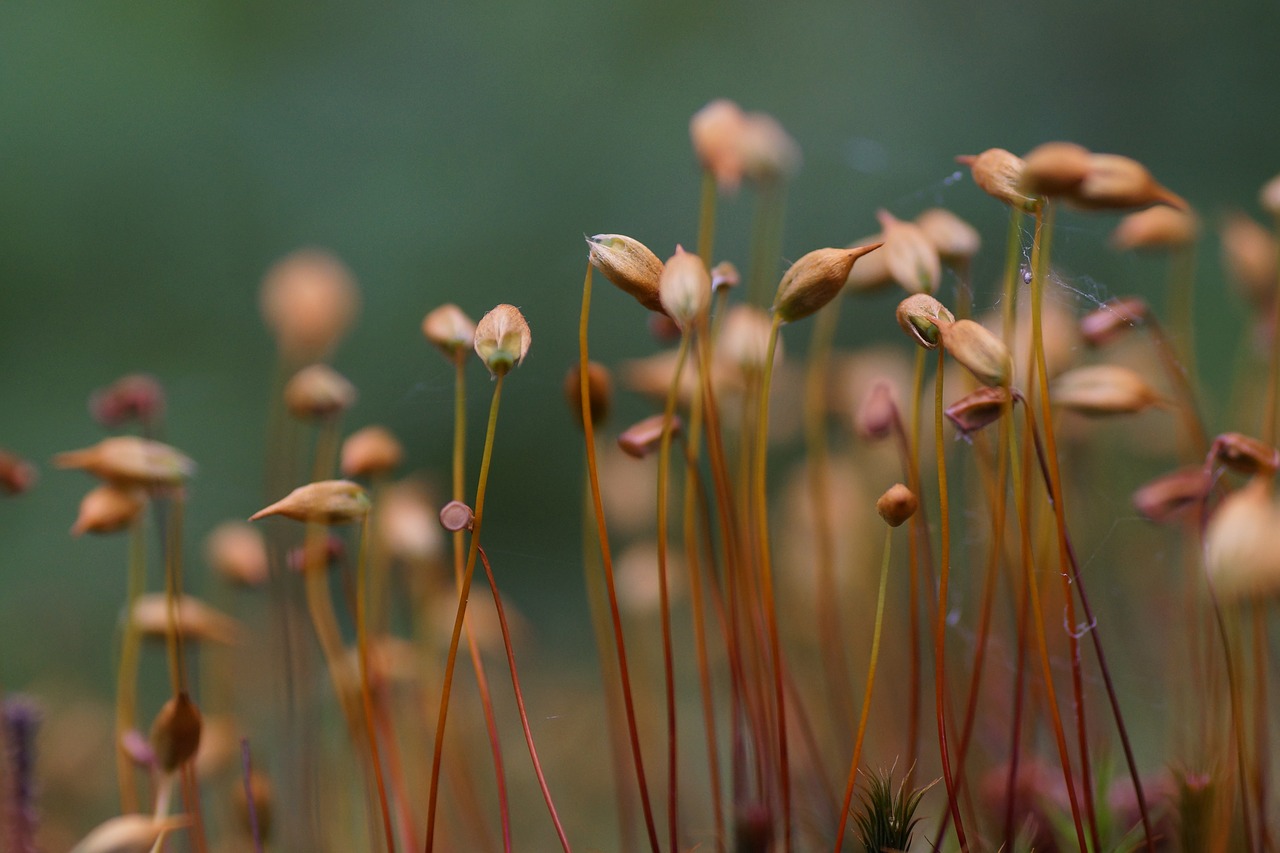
pixel 771 605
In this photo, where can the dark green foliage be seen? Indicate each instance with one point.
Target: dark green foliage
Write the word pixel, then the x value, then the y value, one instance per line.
pixel 886 818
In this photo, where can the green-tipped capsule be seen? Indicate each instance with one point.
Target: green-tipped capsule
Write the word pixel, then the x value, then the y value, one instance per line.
pixel 922 317
pixel 502 339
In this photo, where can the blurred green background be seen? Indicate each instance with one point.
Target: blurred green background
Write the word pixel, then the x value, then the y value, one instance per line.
pixel 156 159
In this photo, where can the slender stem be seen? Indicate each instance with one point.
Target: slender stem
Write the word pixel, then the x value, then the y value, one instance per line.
pixel 664 599
pixel 606 554
pixel 940 619
pixel 866 696
pixel 1033 588
pixel 1096 636
pixel 692 492
pixel 173 594
pixel 735 567
pixel 1235 690
pixel 515 686
pixel 998 517
pixel 1040 268
pixel 769 604
pixel 620 757
pixel 452 658
pixel 917 545
pixel 459 559
pixel 362 650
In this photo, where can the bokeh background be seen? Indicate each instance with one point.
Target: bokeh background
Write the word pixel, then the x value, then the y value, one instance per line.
pixel 155 159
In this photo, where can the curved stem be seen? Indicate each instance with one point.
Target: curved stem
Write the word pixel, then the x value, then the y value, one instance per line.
pixel 452 658
pixel 866 696
pixel 606 554
pixel 515 685
pixel 459 560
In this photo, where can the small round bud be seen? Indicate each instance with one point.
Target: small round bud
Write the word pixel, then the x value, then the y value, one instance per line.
pixel 629 264
pixel 237 552
pixel 599 392
pixel 1054 168
pixel 326 502
pixel 371 452
pixel 136 397
pixel 309 300
pixel 1158 227
pixel 910 256
pixel 108 509
pixel 175 734
pixel 456 516
pixel 815 280
pixel 643 438
pixel 956 240
pixel 716 133
pixel 684 289
pixel 980 351
pixel 450 330
pixel 129 460
pixel 318 392
pixel 1103 389
pixel 502 339
pixel 897 504
pixel 922 317
pixel 998 173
